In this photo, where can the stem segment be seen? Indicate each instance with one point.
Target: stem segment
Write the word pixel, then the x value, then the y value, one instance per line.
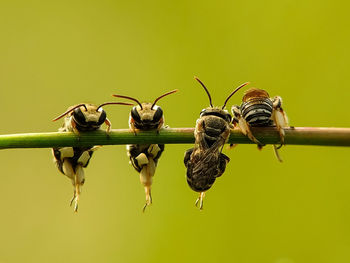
pixel 267 135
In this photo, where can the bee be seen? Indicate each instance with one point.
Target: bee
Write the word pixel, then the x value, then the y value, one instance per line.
pixel 70 161
pixel 259 110
pixel 205 162
pixel 144 157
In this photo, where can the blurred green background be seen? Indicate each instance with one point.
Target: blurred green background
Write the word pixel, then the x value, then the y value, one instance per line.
pixel 54 54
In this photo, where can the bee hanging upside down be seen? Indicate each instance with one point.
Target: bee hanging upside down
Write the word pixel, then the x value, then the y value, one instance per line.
pixel 70 161
pixel 259 110
pixel 205 162
pixel 144 157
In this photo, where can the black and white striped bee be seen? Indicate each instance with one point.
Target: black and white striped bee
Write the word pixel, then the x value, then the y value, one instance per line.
pixel 144 157
pixel 259 110
pixel 70 161
pixel 205 162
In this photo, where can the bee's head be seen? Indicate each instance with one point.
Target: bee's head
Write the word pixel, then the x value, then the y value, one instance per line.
pixel 218 111
pixel 88 116
pixel 146 116
pixel 254 93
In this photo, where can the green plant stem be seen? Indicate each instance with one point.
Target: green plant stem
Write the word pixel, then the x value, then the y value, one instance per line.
pixel 267 135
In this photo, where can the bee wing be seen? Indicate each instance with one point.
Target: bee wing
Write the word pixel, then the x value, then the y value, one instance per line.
pixel 208 157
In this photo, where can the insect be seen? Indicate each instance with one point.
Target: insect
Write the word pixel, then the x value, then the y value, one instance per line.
pixel 144 157
pixel 70 161
pixel 259 110
pixel 205 162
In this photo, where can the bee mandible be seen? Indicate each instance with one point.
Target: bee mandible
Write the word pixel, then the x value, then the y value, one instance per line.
pixel 205 162
pixel 259 110
pixel 144 157
pixel 70 161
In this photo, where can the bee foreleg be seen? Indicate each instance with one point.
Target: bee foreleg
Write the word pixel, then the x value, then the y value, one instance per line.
pixel 245 129
pixel 74 127
pixel 243 125
pixel 160 125
pixel 132 126
pixel 109 125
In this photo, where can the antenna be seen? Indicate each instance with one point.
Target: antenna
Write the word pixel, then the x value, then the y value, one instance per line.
pixel 166 94
pixel 206 90
pixel 233 92
pixel 70 110
pixel 115 103
pixel 129 98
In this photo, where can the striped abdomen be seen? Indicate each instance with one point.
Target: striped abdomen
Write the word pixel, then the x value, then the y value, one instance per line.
pixel 257 111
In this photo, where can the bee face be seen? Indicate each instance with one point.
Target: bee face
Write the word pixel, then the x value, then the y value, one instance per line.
pixel 89 118
pixel 218 112
pixel 146 117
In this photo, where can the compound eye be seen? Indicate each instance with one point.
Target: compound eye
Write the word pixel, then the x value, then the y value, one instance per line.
pixel 158 114
pixel 79 116
pixel 135 115
pixel 102 117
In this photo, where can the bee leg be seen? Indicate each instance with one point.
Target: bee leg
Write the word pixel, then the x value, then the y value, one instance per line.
pixel 109 125
pixel 275 149
pixel 279 117
pixel 240 122
pixel 245 129
pixel 148 197
pixel 69 172
pixel 74 128
pixel 232 126
pixel 200 200
pixel 146 175
pixel 132 126
pixel 77 183
pixel 73 198
pixel 76 198
pixel 160 125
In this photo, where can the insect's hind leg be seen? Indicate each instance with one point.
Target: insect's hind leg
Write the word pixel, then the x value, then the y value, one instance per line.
pixel 200 200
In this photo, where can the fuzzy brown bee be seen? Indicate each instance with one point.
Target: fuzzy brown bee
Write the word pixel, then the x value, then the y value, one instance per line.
pixel 144 157
pixel 205 162
pixel 70 161
pixel 259 110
